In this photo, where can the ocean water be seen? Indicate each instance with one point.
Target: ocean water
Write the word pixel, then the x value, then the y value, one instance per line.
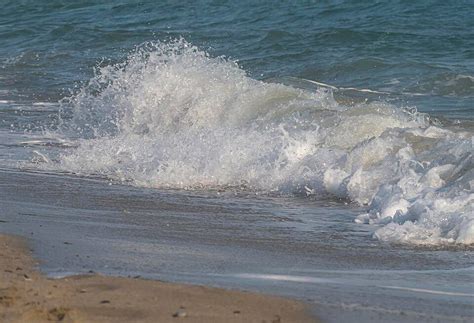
pixel 350 121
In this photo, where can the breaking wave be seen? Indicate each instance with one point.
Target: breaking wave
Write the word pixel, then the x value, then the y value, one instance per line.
pixel 172 116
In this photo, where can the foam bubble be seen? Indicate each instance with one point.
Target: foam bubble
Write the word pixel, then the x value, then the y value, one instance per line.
pixel 172 116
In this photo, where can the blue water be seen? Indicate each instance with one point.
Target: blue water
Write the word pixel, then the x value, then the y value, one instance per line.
pixel 333 139
pixel 422 47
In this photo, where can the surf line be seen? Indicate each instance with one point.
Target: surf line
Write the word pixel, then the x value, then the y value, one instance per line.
pixel 288 278
pixel 332 87
pixel 428 291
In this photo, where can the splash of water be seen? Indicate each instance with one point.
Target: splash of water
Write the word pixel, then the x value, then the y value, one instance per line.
pixel 172 116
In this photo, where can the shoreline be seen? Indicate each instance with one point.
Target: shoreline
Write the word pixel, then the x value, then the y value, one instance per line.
pixel 27 295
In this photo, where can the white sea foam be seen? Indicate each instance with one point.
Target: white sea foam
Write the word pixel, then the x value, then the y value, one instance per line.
pixel 171 116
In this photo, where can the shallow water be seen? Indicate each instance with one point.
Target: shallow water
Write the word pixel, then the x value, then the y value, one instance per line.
pixel 320 151
pixel 310 250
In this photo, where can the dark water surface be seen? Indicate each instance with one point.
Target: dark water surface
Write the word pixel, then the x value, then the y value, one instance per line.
pixel 424 48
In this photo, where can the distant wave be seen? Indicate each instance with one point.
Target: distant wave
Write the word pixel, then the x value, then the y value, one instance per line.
pixel 172 116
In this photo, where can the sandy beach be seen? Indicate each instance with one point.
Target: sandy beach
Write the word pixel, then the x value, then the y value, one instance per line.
pixel 28 296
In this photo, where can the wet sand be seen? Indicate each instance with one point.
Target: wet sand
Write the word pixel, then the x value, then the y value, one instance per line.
pixel 28 296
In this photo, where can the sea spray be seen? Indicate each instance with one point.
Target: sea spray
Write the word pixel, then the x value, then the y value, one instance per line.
pixel 172 116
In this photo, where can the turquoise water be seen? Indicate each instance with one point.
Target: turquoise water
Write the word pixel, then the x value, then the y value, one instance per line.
pixel 422 47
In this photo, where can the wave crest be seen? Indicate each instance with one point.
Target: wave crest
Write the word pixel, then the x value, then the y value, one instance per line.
pixel 172 116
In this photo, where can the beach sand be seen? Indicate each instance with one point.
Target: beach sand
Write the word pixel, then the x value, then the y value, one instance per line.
pixel 28 296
